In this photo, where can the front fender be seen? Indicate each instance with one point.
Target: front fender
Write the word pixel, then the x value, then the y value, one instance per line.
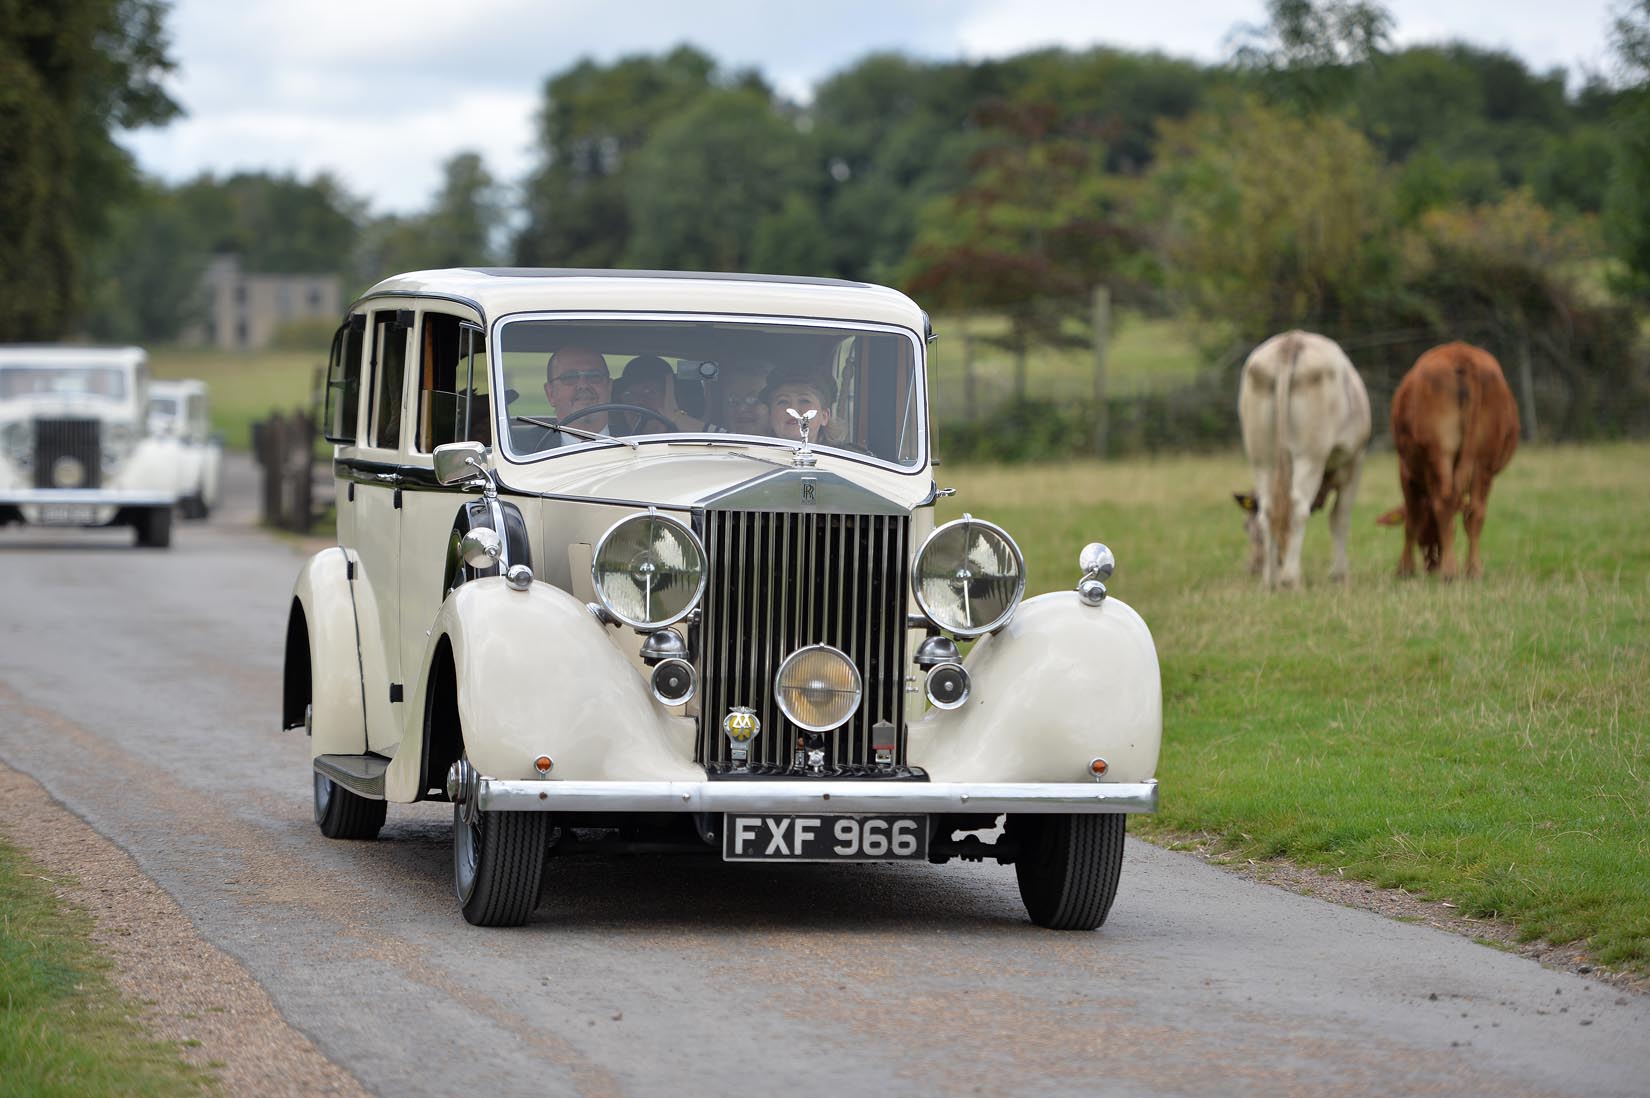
pixel 537 675
pixel 1063 683
pixel 337 717
pixel 153 465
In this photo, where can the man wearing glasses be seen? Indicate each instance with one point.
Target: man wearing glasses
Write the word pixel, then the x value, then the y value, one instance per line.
pixel 575 378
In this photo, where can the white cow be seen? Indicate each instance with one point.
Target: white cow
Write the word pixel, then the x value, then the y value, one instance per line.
pixel 1305 418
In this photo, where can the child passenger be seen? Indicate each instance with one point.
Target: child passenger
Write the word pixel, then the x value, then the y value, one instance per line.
pixel 805 391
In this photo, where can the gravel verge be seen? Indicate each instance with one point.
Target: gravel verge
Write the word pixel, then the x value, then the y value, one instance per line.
pixel 185 989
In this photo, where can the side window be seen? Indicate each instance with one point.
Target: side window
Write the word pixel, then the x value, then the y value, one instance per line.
pixel 389 349
pixel 477 410
pixel 452 385
pixel 344 381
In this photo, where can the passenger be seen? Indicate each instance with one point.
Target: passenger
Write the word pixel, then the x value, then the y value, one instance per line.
pixel 647 381
pixel 801 390
pixel 743 409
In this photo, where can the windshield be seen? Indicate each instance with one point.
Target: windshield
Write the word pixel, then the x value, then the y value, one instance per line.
pixel 94 382
pixel 165 409
pixel 856 389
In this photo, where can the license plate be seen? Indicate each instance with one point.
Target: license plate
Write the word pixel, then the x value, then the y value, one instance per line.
pixel 67 514
pixel 824 838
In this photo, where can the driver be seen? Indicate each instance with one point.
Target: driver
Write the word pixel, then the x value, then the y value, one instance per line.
pixel 575 378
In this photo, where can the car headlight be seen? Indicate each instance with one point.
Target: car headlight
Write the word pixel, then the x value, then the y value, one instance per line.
pixel 818 688
pixel 649 571
pixel 18 439
pixel 969 576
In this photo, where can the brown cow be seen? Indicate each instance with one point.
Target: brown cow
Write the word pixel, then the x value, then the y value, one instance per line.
pixel 1455 424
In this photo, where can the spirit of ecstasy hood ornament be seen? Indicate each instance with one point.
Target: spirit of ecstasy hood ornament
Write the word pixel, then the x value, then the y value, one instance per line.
pixel 804 456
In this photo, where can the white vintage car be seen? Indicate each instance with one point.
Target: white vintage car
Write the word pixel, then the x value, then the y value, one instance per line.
pixel 74 442
pixel 641 560
pixel 178 422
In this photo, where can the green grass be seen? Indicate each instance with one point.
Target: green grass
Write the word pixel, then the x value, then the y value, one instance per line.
pixel 63 1031
pixel 1145 353
pixel 243 387
pixel 1485 743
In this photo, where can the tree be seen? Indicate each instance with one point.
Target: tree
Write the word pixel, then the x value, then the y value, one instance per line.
pixel 1309 51
pixel 277 224
pixel 1031 234
pixel 457 231
pixel 71 73
pixel 708 177
pixel 594 118
pixel 145 275
pixel 1627 204
pixel 1270 220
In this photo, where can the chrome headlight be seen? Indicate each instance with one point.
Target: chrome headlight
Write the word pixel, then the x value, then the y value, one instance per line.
pixel 969 576
pixel 818 688
pixel 17 438
pixel 649 571
pixel 118 440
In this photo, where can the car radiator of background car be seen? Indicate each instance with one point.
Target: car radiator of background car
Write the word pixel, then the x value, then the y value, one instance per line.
pixel 780 581
pixel 56 439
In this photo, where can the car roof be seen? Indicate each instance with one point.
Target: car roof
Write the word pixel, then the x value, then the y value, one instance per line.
pixel 176 386
pixel 62 354
pixel 499 291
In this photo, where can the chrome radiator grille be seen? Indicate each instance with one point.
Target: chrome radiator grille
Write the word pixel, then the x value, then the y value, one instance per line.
pixel 56 439
pixel 780 581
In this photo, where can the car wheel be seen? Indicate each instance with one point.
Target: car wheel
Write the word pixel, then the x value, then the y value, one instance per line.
pixel 341 814
pixel 154 527
pixel 498 864
pixel 1068 867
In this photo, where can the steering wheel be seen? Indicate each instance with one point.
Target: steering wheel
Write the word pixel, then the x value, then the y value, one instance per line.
pixel 634 409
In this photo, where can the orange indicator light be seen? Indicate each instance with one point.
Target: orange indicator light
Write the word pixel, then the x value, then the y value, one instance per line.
pixel 543 764
pixel 1099 767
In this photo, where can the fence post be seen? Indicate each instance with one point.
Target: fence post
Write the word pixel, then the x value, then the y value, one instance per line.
pixel 1526 389
pixel 1102 337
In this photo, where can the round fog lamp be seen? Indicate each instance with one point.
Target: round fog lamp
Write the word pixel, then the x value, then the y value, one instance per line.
pixel 947 686
pixel 818 688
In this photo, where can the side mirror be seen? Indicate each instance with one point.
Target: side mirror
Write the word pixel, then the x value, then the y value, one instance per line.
pixel 456 462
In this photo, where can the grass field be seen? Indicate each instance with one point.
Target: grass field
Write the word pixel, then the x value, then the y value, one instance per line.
pixel 1145 353
pixel 1484 743
pixel 63 1031
pixel 243 388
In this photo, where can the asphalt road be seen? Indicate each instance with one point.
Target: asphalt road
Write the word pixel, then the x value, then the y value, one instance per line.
pixel 141 688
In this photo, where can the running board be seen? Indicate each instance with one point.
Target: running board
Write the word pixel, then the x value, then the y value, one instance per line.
pixel 360 774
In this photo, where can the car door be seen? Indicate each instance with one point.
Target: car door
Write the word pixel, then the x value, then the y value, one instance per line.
pixel 377 469
pixel 449 404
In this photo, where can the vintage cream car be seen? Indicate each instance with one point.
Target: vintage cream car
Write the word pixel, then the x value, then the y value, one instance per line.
pixel 640 561
pixel 178 422
pixel 74 442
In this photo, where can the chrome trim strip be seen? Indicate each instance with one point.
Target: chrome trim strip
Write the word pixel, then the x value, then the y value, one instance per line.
pixel 817 796
pixel 96 497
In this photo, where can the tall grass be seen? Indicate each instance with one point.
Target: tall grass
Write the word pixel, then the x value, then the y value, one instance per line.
pixel 1487 743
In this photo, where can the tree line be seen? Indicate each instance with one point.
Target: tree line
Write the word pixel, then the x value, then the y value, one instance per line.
pixel 1318 177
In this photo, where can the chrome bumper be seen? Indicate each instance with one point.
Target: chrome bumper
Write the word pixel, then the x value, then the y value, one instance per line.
pixel 86 497
pixel 822 796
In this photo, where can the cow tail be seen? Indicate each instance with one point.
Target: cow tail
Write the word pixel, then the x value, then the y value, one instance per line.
pixel 1283 461
pixel 1465 399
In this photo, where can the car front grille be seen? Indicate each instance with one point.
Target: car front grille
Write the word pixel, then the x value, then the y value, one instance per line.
pixel 780 581
pixel 74 439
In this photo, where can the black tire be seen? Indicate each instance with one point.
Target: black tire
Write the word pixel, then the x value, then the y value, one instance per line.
pixel 341 814
pixel 154 527
pixel 498 865
pixel 1068 867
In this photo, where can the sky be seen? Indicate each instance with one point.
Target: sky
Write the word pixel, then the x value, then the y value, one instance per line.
pixel 380 94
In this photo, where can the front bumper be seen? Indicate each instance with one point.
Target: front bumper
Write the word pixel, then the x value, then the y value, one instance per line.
pixel 836 797
pixel 86 497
